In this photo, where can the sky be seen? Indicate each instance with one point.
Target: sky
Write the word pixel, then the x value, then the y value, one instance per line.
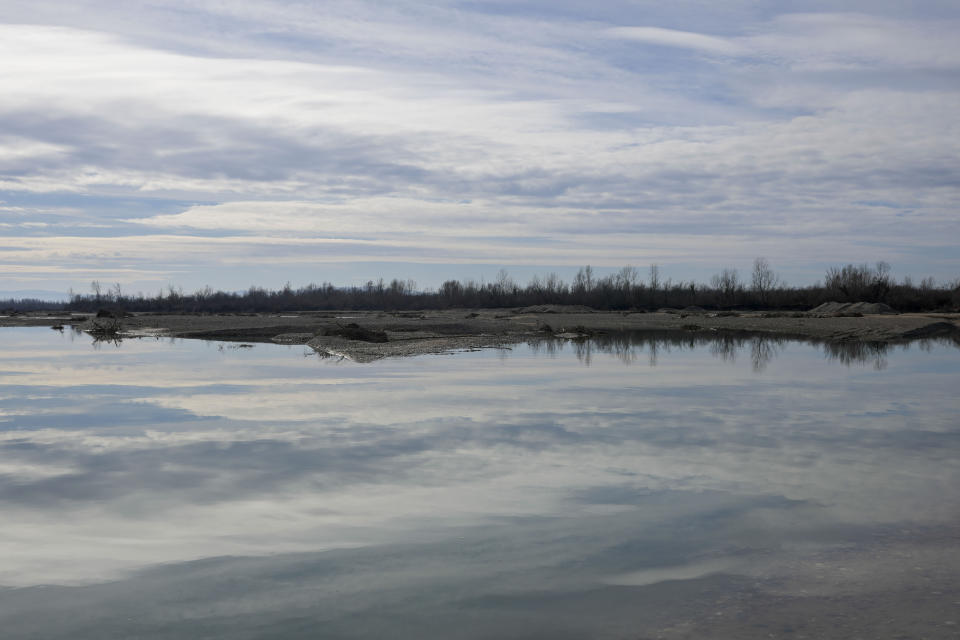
pixel 259 142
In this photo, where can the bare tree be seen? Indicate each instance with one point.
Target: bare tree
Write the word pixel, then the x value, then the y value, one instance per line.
pixel 505 284
pixel 763 280
pixel 727 283
pixel 654 277
pixel 855 283
pixel 583 281
pixel 628 276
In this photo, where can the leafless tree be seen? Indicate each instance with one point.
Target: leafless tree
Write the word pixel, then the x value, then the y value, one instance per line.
pixel 654 277
pixel 763 280
pixel 727 283
pixel 628 277
pixel 583 281
pixel 505 284
pixel 857 283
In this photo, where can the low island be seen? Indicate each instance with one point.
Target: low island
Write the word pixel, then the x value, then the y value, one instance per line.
pixel 365 336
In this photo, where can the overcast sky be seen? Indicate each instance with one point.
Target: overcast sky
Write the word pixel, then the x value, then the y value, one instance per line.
pixel 255 142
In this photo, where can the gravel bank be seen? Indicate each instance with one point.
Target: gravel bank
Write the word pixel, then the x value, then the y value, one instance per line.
pixel 415 333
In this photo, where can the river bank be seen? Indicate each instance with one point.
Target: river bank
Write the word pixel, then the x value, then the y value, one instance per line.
pixel 370 335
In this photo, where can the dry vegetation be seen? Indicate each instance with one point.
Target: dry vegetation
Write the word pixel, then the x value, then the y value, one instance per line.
pixel 627 289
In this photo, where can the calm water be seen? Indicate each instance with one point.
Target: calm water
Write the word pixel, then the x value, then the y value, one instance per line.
pixel 628 488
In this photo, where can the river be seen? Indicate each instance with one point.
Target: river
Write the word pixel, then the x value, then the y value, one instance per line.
pixel 635 486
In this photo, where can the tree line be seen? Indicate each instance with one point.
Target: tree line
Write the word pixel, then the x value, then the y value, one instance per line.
pixel 626 289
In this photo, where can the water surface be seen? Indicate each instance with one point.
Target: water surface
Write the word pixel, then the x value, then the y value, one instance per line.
pixel 629 487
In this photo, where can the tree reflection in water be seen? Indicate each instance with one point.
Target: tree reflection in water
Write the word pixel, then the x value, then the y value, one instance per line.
pixel 630 347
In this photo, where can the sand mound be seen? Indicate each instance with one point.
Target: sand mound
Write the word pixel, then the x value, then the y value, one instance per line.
pixel 556 308
pixel 866 308
pixel 353 331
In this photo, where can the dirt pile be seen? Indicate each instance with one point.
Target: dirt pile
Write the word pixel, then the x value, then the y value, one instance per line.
pixel 113 313
pixel 353 331
pixel 556 308
pixel 866 308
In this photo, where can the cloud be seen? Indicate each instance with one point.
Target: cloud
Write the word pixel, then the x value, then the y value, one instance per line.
pixel 397 128
pixel 851 41
pixel 680 39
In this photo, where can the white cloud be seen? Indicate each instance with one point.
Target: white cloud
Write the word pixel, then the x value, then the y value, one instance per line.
pixel 853 41
pixel 15 149
pixel 680 39
pixel 495 138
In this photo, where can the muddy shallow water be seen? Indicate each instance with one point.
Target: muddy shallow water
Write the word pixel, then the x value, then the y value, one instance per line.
pixel 642 486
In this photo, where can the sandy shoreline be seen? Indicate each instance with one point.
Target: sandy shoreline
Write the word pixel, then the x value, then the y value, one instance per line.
pixel 439 331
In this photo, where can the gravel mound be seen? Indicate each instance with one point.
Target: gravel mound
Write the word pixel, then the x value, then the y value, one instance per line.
pixel 866 308
pixel 556 308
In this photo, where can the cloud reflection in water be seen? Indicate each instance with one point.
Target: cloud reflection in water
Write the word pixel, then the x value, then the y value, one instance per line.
pixel 489 474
